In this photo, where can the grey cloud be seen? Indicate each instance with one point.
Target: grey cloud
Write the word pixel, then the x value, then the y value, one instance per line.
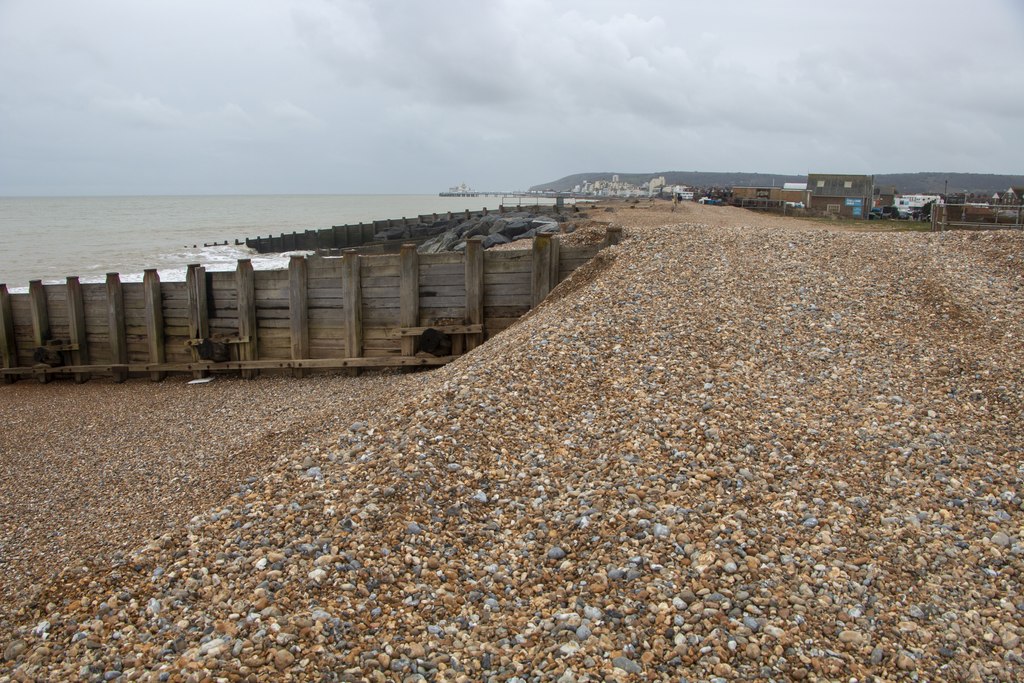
pixel 388 95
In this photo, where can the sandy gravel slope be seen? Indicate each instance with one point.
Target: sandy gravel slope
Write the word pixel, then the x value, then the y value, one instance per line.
pixel 732 447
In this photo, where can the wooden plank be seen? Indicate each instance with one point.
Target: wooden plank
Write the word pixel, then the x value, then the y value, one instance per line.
pixel 428 316
pixel 519 266
pixel 245 284
pixel 512 289
pixel 508 255
pixel 154 321
pixel 381 268
pixel 404 332
pixel 441 258
pixel 612 235
pixel 23 332
pixel 383 361
pixel 457 289
pixel 492 300
pixel 298 310
pixel 409 294
pixel 502 279
pixel 353 304
pixel 76 327
pixel 556 247
pixel 457 301
pixel 382 292
pixel 8 345
pixel 116 325
pixel 541 280
pixel 474 290
pixel 388 281
pixel 270 314
pixel 271 278
pixel 440 270
pixel 40 316
pixel 198 308
pixel 584 253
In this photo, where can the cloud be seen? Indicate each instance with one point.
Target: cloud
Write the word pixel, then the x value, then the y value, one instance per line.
pixel 140 110
pixel 292 114
pixel 356 95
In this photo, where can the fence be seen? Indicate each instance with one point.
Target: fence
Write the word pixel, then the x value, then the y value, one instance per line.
pixel 978 217
pixel 354 311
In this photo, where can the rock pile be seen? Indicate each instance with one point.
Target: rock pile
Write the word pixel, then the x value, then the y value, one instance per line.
pixel 738 448
pixel 496 229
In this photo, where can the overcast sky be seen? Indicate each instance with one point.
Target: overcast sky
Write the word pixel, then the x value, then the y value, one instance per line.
pixel 391 96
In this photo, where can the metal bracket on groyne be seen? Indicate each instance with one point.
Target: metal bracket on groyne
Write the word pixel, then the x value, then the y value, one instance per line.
pixel 355 311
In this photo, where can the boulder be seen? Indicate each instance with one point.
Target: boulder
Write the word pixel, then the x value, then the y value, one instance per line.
pixel 494 240
pixel 395 232
pixel 512 229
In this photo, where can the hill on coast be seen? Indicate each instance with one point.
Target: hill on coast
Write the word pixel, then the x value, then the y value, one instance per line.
pixel 906 183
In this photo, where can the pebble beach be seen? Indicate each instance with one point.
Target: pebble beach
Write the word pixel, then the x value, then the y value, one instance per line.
pixel 732 447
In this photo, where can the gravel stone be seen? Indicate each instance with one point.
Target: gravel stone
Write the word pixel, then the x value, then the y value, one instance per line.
pixel 725 374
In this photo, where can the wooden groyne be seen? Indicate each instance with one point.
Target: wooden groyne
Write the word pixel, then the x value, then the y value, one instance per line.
pixel 352 311
pixel 362 234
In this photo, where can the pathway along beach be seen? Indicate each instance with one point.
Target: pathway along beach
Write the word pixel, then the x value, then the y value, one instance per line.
pixel 733 446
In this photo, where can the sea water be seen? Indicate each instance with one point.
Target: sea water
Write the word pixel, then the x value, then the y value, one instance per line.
pixel 50 238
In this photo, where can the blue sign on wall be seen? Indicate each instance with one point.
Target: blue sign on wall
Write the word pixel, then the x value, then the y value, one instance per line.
pixel 858 205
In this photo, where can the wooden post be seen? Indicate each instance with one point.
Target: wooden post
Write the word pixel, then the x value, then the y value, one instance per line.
pixel 154 321
pixel 353 297
pixel 474 289
pixel 115 325
pixel 556 254
pixel 40 319
pixel 198 309
pixel 409 295
pixel 298 310
pixel 613 235
pixel 76 327
pixel 8 347
pixel 541 276
pixel 245 280
pixel 40 316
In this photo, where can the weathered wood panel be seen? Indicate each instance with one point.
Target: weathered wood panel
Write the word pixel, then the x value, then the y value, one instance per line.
pixel 8 346
pixel 319 313
pixel 154 321
pixel 116 334
pixel 248 347
pixel 24 332
pixel 76 328
pixel 409 295
pixel 175 310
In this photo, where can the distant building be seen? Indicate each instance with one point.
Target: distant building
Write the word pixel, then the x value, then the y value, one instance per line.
pixel 1012 197
pixel 793 195
pixel 840 194
pixel 911 205
pixel 885 196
